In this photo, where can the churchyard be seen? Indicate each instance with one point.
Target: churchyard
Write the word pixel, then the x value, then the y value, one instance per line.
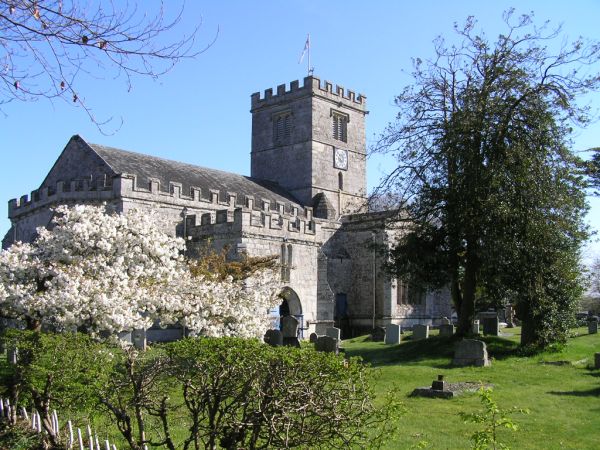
pixel 560 389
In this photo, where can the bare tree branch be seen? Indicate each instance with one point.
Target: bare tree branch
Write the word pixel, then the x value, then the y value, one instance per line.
pixel 46 44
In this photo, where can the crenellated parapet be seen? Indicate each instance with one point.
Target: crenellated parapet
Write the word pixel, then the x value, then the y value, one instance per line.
pixel 254 221
pixel 103 189
pixel 126 187
pixel 312 86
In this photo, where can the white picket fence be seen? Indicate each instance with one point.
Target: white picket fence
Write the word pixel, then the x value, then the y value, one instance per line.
pixel 76 441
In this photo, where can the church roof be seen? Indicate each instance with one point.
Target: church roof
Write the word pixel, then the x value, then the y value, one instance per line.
pixel 145 167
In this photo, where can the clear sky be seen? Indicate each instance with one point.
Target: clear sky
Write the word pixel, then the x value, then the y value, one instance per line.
pixel 199 112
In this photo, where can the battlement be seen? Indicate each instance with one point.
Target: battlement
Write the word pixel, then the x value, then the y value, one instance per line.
pixel 227 221
pixel 125 186
pixel 77 190
pixel 312 86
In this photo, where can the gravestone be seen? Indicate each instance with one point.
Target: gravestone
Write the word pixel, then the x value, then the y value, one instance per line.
pixel 378 334
pixel 491 324
pixel 446 330
pixel 327 344
pixel 446 321
pixel 420 332
pixel 439 384
pixel 475 329
pixel 596 360
pixel 168 334
pixel 470 352
pixel 334 332
pixel 392 334
pixel 274 338
pixel 289 329
pixel 138 339
pixel 593 325
pixel 313 337
pixel 12 354
pixel 510 316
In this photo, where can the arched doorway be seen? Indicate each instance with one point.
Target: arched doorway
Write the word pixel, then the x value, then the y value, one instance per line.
pixel 291 306
pixel 290 302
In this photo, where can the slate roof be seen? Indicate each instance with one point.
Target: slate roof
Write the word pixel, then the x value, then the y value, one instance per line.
pixel 146 166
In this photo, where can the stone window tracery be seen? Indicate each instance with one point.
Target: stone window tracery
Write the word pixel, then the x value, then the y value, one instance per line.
pixel 409 294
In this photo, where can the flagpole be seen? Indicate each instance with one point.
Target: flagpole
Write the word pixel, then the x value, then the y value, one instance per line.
pixel 306 49
pixel 308 67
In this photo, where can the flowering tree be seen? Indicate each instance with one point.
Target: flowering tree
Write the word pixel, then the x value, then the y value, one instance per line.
pixel 115 272
pixel 210 306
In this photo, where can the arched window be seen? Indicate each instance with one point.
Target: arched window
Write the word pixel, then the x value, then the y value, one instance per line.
pixel 341 181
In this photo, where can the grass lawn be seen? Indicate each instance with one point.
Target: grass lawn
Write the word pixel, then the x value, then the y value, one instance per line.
pixel 563 399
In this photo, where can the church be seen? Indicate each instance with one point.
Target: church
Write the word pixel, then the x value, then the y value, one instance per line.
pixel 303 201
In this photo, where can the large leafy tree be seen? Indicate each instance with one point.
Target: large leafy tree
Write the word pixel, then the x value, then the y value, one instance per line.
pixel 494 201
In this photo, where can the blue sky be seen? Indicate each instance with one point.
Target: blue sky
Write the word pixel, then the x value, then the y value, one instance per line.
pixel 199 112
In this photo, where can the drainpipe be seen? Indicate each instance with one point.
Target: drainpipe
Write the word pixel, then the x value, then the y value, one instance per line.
pixel 184 214
pixel 374 277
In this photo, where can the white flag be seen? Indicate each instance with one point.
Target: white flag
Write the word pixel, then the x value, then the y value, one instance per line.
pixel 306 48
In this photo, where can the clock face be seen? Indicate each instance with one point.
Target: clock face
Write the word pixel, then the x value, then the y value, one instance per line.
pixel 340 159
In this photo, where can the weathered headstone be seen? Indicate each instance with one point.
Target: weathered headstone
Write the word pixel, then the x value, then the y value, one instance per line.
pixel 313 337
pixel 446 321
pixel 510 316
pixel 12 354
pixel 475 329
pixel 334 332
pixel 289 329
pixel 138 339
pixel 327 344
pixel 378 334
pixel 597 360
pixel 420 332
pixel 289 326
pixel 439 384
pixel 470 352
pixel 168 334
pixel 593 325
pixel 491 324
pixel 446 330
pixel 274 338
pixel 392 334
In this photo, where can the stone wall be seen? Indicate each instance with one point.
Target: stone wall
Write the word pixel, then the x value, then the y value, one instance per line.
pixel 260 234
pixel 304 164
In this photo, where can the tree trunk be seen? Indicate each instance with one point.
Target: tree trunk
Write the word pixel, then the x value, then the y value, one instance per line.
pixel 466 314
pixel 528 329
pixel 33 324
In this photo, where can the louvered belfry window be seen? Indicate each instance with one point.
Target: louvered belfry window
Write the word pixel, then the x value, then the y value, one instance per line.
pixel 339 125
pixel 282 128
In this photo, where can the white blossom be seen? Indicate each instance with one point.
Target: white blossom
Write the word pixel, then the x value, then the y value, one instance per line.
pixel 116 272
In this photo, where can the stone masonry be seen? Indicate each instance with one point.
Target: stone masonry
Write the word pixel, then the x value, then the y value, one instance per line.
pixel 304 202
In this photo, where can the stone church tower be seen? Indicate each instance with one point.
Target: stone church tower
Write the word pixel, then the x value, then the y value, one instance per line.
pixel 311 141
